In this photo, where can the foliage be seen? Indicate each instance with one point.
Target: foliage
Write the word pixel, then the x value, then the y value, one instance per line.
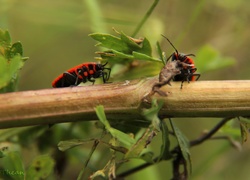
pixel 11 61
pixel 212 58
pixel 12 165
pixel 124 48
pixel 130 58
pixel 121 142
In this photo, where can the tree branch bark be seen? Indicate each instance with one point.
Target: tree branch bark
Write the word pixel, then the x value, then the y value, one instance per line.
pixel 124 101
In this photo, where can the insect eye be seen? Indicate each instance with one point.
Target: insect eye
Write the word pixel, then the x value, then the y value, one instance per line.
pixel 180 57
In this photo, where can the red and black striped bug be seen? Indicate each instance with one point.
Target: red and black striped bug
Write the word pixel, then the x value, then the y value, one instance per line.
pixel 187 72
pixel 88 71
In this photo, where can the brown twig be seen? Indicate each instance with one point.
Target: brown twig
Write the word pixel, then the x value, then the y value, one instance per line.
pixel 210 133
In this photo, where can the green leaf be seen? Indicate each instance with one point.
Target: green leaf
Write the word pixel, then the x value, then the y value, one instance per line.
pixel 122 55
pixel 231 129
pixel 17 48
pixel 65 145
pixel 40 168
pixel 14 50
pixel 140 56
pixel 146 48
pixel 124 48
pixel 147 157
pixel 209 59
pixel 12 164
pixel 160 53
pixel 152 116
pixel 9 69
pixel 130 43
pixel 98 173
pixel 3 151
pixel 183 144
pixel 244 128
pixel 15 64
pixel 109 168
pixel 152 113
pixel 165 153
pixel 140 144
pixel 5 39
pixel 102 117
pixel 4 72
pixel 122 137
pixel 11 61
pixel 110 42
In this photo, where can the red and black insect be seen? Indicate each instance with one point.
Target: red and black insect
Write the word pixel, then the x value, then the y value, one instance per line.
pixel 82 73
pixel 187 72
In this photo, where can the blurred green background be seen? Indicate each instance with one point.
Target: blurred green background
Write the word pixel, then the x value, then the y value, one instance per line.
pixel 55 37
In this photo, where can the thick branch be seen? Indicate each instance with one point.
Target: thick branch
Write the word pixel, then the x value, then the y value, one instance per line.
pixel 124 101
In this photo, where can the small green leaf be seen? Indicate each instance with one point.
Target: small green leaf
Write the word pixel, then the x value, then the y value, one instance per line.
pixel 110 42
pixel 122 137
pixel 1 154
pixel 15 64
pixel 231 129
pixel 17 48
pixel 102 117
pixel 243 131
pixel 124 48
pixel 4 72
pixel 146 48
pixel 109 168
pixel 140 56
pixel 183 143
pixel 140 144
pixel 165 153
pixel 122 55
pixel 244 128
pixel 65 145
pixel 3 151
pixel 12 163
pixel 130 43
pixel 147 157
pixel 5 39
pixel 9 69
pixel 40 168
pixel 152 113
pixel 11 61
pixel 97 174
pixel 208 59
pixel 160 53
pixel 152 116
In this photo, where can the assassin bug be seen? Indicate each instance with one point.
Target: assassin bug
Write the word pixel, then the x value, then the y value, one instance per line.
pixel 82 73
pixel 168 72
pixel 187 72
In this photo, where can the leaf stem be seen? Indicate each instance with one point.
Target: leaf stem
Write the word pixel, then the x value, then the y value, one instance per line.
pixel 149 12
pixel 210 133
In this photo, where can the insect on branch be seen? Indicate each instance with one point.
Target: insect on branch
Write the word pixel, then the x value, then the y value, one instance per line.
pixel 168 72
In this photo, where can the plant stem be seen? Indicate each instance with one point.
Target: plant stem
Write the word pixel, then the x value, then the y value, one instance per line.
pixel 149 12
pixel 210 133
pixel 123 101
pixel 176 149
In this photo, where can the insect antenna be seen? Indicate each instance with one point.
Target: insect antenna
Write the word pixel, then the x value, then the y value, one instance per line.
pixel 170 43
